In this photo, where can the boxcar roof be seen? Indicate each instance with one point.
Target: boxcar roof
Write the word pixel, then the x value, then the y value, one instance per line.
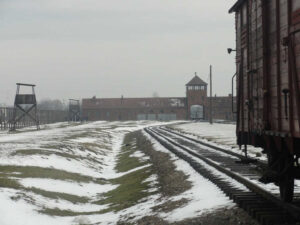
pixel 236 6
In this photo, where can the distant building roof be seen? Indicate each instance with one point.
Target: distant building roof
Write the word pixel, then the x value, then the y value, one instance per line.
pixel 196 81
pixel 133 103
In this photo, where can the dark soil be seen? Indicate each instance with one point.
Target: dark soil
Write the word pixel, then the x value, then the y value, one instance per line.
pixel 172 181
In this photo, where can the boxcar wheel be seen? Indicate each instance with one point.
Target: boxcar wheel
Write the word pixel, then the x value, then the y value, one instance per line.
pixel 286 183
pixel 287 189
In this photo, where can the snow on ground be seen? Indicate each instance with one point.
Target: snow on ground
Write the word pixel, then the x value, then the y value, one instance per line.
pixel 223 135
pixel 22 213
pixel 80 189
pixel 203 196
pixel 52 161
pixel 64 167
pixel 77 163
pixel 86 140
pixel 140 155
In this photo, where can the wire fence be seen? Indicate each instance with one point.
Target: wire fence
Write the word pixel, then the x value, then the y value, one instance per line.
pixel 45 117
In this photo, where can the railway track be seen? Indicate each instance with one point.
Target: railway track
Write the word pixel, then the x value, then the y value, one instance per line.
pixel 242 157
pixel 238 181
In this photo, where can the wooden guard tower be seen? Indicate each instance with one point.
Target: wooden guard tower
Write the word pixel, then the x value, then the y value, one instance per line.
pixel 74 110
pixel 25 106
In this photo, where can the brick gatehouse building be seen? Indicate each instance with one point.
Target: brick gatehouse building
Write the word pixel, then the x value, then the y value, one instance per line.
pixel 194 106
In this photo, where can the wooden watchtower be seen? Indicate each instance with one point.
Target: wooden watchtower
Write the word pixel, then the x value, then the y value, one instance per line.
pixel 25 105
pixel 74 110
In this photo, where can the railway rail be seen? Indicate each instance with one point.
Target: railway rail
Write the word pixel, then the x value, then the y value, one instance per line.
pixel 241 157
pixel 238 181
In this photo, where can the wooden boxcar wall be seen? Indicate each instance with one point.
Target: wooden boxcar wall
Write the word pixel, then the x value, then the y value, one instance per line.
pixel 268 62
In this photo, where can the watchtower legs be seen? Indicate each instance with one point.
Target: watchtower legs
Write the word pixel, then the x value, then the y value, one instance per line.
pixel 25 104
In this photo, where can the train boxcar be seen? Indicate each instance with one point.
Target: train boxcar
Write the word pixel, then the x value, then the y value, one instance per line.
pixel 268 90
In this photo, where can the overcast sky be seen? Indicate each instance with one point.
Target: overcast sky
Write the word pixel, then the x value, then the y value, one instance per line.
pixel 109 48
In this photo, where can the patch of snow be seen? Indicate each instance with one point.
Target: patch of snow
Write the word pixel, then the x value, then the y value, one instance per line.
pixel 21 213
pixel 86 140
pixel 152 178
pixel 98 163
pixel 203 196
pixel 61 204
pixel 81 189
pixel 51 161
pixel 140 155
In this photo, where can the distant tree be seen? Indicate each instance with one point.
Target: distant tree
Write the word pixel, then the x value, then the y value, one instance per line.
pixel 51 104
pixel 155 95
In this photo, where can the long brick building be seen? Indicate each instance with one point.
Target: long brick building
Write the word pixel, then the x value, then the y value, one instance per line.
pixel 194 106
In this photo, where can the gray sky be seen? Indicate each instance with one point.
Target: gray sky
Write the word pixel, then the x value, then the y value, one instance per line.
pixel 82 48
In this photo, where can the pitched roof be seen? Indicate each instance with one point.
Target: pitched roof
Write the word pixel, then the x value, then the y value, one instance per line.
pixel 196 81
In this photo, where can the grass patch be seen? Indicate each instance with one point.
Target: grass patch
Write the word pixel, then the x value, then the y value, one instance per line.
pixel 59 195
pixel 125 162
pixel 60 212
pixel 27 152
pixel 50 173
pixel 130 191
pixel 93 148
pixel 9 183
pixel 132 187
